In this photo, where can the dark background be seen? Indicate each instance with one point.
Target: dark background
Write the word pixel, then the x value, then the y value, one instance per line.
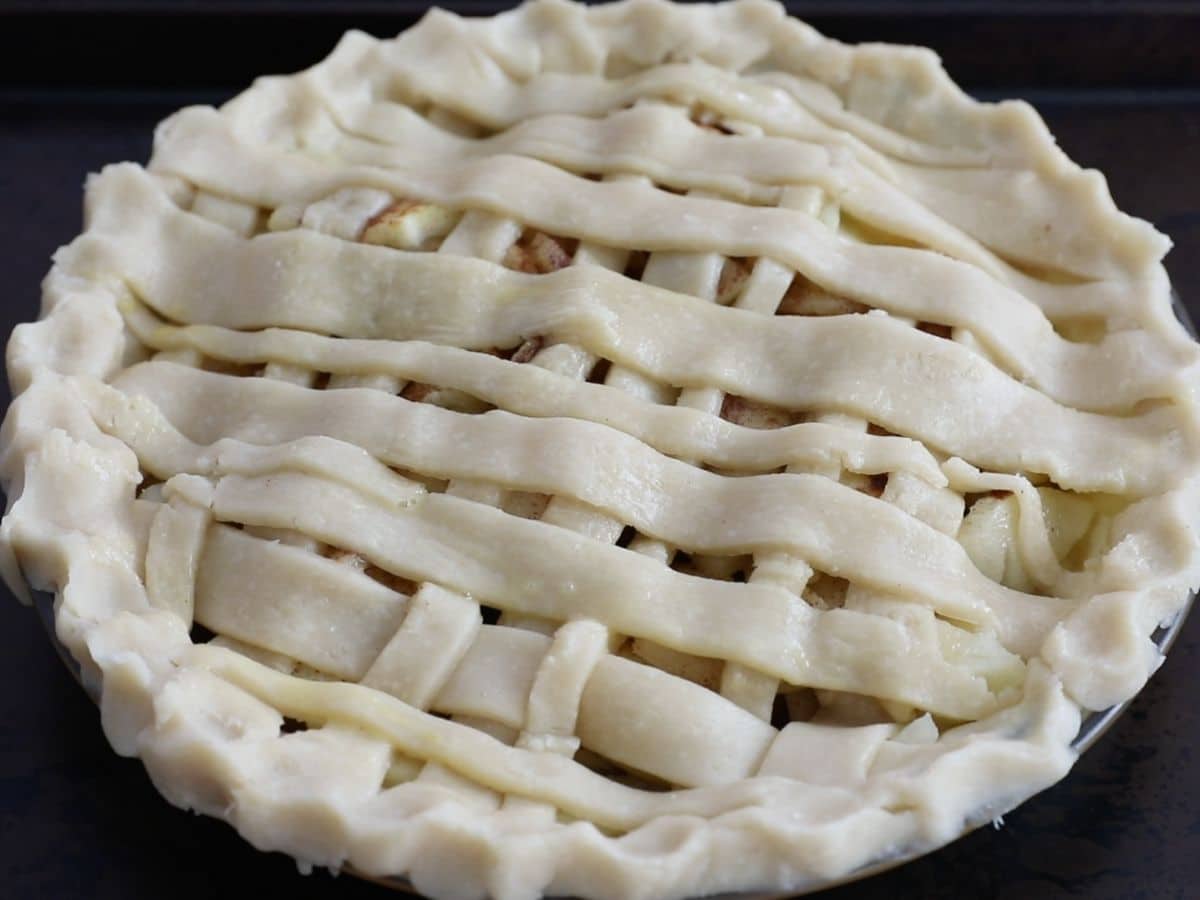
pixel 1119 84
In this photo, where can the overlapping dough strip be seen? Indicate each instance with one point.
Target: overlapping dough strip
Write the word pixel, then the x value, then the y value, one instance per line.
pixel 542 570
pixel 1060 217
pixel 660 141
pixel 494 674
pixel 454 62
pixel 952 211
pixel 911 282
pixel 935 390
pixel 552 779
pixel 658 495
pixel 357 84
pixel 360 72
pixel 656 140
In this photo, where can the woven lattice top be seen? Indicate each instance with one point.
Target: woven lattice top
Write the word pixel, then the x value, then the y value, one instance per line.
pixel 632 450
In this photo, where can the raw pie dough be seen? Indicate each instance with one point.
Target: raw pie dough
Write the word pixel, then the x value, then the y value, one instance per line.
pixel 637 451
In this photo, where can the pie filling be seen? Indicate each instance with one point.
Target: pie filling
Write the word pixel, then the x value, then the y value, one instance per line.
pixel 638 450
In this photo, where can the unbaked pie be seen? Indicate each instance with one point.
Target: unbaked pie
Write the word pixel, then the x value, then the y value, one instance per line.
pixel 629 451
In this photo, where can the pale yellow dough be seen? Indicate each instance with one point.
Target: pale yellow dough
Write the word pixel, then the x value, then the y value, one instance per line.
pixel 425 328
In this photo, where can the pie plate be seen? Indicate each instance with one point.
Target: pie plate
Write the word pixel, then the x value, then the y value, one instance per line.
pixel 330 552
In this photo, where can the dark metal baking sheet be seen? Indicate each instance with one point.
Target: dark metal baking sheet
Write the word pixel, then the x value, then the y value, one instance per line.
pixel 185 44
pixel 75 821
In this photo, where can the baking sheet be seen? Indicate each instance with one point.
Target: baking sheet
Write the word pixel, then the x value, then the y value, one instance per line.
pixel 77 821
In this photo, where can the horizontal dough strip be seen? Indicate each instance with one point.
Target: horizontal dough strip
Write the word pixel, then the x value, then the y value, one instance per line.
pixel 535 391
pixel 323 613
pixel 526 566
pixel 1114 374
pixel 942 393
pixel 1059 218
pixel 659 496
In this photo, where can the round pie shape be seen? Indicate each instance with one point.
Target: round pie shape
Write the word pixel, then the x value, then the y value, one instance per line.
pixel 628 451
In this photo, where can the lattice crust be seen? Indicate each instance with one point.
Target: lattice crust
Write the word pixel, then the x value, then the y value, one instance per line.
pixel 628 451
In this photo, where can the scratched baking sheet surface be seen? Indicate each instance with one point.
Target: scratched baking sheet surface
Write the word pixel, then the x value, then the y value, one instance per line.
pixel 77 821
